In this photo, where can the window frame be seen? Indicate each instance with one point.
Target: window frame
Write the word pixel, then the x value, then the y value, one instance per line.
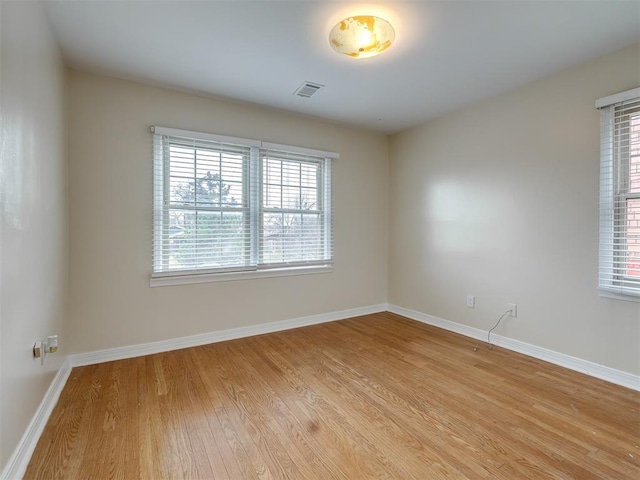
pixel 615 176
pixel 252 207
pixel 323 198
pixel 622 193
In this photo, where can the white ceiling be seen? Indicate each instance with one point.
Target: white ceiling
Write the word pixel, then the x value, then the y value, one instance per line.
pixel 448 54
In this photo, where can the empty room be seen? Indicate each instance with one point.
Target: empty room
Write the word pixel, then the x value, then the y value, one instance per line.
pixel 307 239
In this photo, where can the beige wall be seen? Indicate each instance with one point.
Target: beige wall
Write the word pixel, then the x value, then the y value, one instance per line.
pixel 110 218
pixel 33 213
pixel 500 200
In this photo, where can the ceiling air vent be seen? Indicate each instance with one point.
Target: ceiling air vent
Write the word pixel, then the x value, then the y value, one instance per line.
pixel 307 89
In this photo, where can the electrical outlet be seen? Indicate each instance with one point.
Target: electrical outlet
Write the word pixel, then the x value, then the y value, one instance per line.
pixel 513 310
pixel 471 301
pixel 51 344
pixel 45 347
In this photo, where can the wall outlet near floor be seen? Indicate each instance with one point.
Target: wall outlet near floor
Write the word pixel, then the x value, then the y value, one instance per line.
pixel 471 301
pixel 513 310
pixel 45 346
pixel 51 344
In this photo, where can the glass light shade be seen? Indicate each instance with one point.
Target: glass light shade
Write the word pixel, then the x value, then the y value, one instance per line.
pixel 362 36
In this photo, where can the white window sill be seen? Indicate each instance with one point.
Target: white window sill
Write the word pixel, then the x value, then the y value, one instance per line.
pixel 618 296
pixel 166 281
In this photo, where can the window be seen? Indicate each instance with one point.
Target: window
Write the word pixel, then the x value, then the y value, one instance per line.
pixel 228 208
pixel 620 194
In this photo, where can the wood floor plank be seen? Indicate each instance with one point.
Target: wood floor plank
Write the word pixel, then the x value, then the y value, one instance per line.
pixel 67 423
pixel 377 396
pixel 262 402
pixel 334 416
pixel 254 421
pixel 411 404
pixel 231 454
pixel 301 437
pixel 148 424
pixel 301 400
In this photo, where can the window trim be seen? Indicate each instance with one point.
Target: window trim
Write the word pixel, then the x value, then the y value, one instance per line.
pixel 163 280
pixel 610 284
pixel 255 270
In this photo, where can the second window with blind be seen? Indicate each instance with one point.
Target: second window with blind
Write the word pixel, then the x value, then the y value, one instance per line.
pixel 228 208
pixel 619 273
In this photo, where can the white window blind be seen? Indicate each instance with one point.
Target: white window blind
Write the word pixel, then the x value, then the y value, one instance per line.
pixel 295 196
pixel 619 270
pixel 225 204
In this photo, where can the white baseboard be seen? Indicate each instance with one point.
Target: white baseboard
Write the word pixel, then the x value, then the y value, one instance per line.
pixel 131 351
pixel 579 365
pixel 19 460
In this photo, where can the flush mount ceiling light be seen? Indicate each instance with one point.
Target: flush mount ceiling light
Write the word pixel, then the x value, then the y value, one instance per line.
pixel 362 36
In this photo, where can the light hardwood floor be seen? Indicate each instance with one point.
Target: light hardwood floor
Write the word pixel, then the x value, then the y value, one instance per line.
pixel 378 396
